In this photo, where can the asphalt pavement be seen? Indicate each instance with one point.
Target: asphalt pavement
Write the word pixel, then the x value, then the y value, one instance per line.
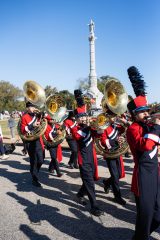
pixel 51 212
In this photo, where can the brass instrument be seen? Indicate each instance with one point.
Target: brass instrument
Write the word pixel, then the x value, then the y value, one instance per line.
pixel 53 104
pixel 35 134
pixel 100 122
pixel 114 101
pixel 35 94
pixel 115 96
pixel 154 113
pixel 55 107
pixel 57 140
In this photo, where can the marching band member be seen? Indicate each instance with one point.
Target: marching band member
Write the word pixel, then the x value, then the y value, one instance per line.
pixel 52 131
pixel 87 160
pixel 36 147
pixel 70 123
pixel 143 139
pixel 116 166
pixel 81 106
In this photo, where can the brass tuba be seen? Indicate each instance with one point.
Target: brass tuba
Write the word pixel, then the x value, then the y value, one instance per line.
pixel 35 94
pixel 57 139
pixel 115 96
pixel 100 122
pixel 55 107
pixel 53 104
pixel 115 100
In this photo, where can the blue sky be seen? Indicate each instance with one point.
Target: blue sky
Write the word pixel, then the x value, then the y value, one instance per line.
pixel 47 41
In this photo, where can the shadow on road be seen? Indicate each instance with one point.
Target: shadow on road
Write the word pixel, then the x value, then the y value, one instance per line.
pixel 82 227
pixel 78 224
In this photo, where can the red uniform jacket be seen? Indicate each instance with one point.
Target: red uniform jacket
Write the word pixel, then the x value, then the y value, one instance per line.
pixel 109 140
pixel 85 139
pixel 27 121
pixel 69 125
pixel 140 140
pixel 49 134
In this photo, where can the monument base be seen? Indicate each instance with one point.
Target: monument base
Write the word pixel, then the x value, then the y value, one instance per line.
pixel 96 97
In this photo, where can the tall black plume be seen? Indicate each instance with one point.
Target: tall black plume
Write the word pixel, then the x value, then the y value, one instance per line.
pixel 137 81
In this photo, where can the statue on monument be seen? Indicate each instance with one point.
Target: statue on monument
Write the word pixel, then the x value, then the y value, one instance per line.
pixel 92 27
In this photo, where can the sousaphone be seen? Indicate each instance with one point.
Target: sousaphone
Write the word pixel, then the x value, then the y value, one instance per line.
pixel 115 100
pixel 35 94
pixel 55 107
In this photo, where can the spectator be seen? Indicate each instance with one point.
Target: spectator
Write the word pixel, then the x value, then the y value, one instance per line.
pixel 12 125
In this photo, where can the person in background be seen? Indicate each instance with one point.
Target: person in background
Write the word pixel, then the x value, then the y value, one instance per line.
pixel 87 158
pixel 70 123
pixel 2 150
pixel 29 121
pixel 11 126
pixel 109 139
pixel 55 151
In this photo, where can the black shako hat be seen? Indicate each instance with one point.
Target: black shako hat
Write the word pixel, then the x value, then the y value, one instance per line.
pixel 29 104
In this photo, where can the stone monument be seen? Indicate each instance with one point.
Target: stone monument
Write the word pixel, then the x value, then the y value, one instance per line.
pixel 93 91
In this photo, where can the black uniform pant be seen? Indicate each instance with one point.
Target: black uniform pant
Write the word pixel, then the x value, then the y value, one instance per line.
pixel 25 146
pixel 148 219
pixel 113 181
pixel 148 202
pixel 74 152
pixel 54 164
pixel 88 186
pixel 36 156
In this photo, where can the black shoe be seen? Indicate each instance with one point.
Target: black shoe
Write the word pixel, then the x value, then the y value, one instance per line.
pixel 70 166
pixel 134 238
pixel 81 200
pixel 59 175
pixel 51 170
pixel 106 187
pixel 24 152
pixel 120 201
pixel 36 183
pixel 76 167
pixel 96 211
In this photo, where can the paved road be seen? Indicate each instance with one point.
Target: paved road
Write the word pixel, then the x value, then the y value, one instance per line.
pixel 50 213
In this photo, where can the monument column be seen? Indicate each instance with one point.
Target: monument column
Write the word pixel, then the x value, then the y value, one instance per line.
pixel 92 74
pixel 93 90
